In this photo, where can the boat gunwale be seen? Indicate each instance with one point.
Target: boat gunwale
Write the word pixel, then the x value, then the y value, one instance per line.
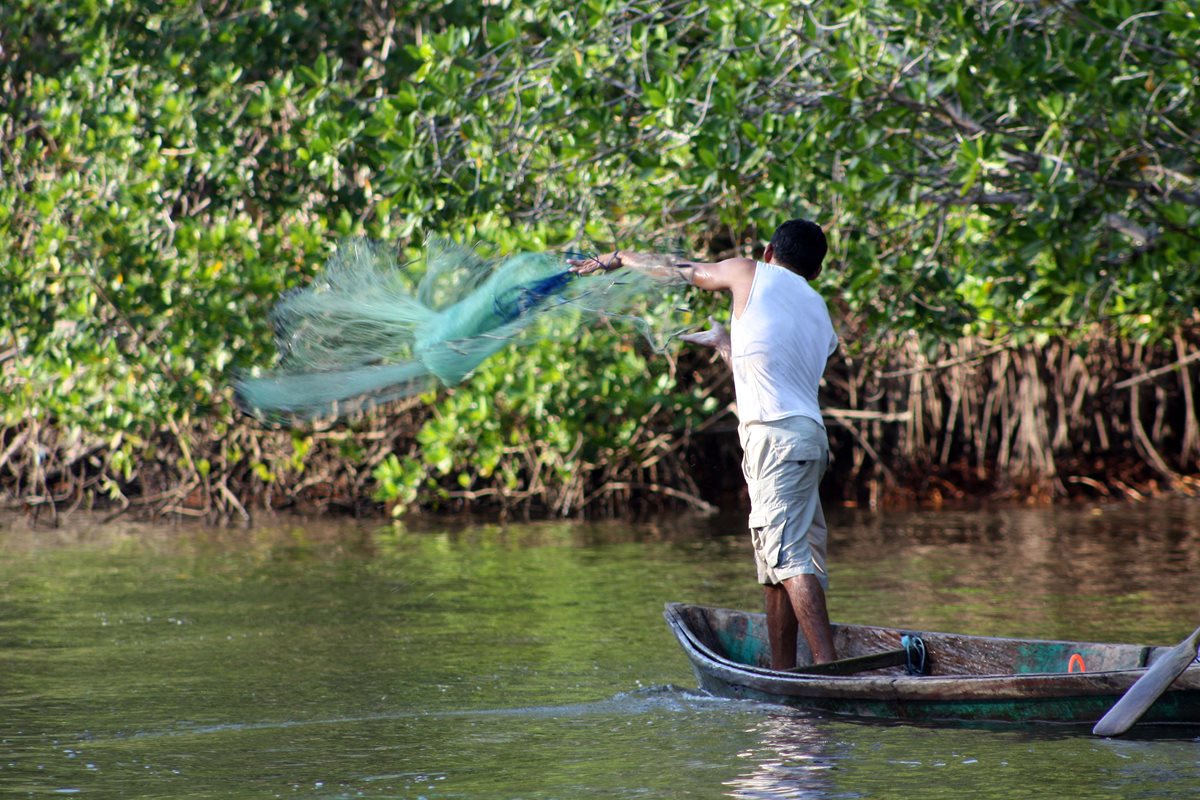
pixel 967 687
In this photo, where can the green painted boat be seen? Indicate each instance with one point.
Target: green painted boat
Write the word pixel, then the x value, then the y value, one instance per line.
pixel 968 678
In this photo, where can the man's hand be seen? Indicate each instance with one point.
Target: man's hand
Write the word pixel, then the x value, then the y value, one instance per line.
pixel 716 337
pixel 603 263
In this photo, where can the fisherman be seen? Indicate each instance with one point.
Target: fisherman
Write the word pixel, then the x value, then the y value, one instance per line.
pixel 779 340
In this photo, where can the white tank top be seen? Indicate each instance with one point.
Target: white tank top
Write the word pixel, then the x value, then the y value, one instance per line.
pixel 779 347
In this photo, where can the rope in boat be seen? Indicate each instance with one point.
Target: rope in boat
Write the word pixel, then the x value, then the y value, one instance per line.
pixel 914 653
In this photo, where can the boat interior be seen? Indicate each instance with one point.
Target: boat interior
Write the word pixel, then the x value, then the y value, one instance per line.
pixel 741 637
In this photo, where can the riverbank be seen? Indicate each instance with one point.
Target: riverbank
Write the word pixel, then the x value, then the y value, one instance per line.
pixel 975 422
pixel 1012 271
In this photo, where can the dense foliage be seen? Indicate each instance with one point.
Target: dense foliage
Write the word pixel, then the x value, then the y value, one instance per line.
pixel 986 169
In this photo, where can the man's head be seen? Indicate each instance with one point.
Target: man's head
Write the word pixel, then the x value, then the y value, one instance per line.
pixel 799 245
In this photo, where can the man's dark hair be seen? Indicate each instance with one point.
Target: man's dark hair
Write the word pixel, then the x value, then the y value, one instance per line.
pixel 800 246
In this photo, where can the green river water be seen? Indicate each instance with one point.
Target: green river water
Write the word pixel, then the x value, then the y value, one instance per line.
pixel 441 660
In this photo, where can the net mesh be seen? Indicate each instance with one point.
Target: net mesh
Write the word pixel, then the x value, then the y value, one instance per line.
pixel 370 329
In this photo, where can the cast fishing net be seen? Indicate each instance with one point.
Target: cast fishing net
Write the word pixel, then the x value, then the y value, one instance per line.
pixel 370 330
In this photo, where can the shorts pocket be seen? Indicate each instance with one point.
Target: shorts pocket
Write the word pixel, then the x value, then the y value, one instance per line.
pixel 766 531
pixel 792 450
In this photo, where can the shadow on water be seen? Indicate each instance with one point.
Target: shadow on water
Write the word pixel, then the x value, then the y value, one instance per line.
pixel 795 756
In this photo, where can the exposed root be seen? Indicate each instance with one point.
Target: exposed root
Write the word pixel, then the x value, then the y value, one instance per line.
pixel 1087 419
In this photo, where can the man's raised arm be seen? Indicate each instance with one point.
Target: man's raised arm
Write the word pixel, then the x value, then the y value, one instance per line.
pixel 727 275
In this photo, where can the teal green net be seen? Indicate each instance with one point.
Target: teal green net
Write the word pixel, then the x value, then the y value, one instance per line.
pixel 370 330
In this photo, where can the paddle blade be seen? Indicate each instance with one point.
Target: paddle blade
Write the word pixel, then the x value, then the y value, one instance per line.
pixel 1148 688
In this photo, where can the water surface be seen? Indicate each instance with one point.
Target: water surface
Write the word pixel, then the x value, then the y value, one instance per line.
pixel 443 660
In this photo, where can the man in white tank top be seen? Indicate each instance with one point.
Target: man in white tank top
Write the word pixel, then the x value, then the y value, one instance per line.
pixel 780 340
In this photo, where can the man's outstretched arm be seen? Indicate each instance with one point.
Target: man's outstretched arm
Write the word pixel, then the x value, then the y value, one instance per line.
pixel 727 275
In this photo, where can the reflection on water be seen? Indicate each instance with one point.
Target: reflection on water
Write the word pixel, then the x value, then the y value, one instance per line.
pixel 484 661
pixel 792 758
pixel 1109 573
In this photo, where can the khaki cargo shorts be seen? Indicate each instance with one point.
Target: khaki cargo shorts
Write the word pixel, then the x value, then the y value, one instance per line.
pixel 783 463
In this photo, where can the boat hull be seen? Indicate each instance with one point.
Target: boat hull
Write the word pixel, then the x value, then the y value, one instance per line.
pixel 980 679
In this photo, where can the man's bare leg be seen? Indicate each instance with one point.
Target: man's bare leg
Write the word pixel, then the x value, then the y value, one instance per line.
pixel 781 626
pixel 808 607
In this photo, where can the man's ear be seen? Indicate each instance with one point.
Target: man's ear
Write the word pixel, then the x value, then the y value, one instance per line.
pixel 769 253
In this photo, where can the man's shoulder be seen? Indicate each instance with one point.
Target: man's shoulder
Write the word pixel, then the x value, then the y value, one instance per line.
pixel 739 263
pixel 736 273
pixel 787 277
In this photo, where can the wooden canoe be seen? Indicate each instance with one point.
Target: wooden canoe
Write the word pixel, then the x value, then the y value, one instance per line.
pixel 973 678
